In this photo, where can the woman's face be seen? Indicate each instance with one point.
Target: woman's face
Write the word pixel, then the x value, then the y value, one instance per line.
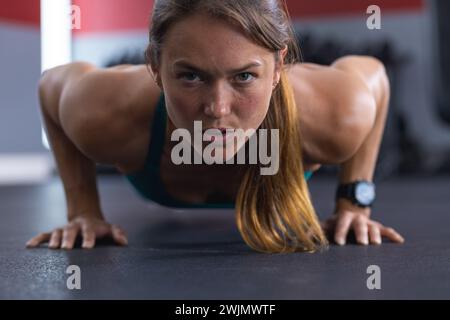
pixel 211 72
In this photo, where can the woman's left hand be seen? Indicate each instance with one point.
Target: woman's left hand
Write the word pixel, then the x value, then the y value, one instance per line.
pixel 347 217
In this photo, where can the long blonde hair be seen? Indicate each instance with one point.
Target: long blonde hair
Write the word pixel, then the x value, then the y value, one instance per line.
pixel 274 214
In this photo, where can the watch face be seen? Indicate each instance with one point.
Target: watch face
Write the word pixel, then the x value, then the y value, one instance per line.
pixel 365 193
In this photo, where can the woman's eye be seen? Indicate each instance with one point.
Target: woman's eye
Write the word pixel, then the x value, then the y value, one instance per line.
pixel 245 77
pixel 189 76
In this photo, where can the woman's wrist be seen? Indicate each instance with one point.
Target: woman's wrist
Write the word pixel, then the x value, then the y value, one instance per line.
pixel 87 214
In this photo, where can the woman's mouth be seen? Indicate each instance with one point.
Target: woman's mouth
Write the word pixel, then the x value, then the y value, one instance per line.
pixel 226 133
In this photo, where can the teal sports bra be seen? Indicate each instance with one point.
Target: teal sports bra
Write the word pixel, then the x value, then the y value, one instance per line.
pixel 147 181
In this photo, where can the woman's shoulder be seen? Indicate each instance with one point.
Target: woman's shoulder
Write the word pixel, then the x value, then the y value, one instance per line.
pixel 138 97
pixel 346 79
pixel 328 82
pixel 121 88
pixel 116 106
pixel 137 109
pixel 336 100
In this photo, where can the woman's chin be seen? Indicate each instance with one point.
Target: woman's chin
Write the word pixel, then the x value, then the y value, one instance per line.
pixel 218 154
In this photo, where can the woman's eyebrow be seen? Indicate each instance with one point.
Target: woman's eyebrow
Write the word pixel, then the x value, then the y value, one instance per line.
pixel 187 65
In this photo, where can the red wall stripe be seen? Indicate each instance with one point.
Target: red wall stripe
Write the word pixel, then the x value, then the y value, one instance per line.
pixel 114 15
pixel 119 15
pixel 25 12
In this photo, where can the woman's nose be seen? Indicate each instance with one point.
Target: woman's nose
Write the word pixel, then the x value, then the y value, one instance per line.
pixel 219 104
pixel 217 109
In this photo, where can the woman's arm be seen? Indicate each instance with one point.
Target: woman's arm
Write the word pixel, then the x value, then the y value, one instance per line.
pixel 372 73
pixel 361 165
pixel 77 172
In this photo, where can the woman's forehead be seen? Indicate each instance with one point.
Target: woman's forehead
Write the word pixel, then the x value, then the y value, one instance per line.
pixel 218 45
pixel 200 37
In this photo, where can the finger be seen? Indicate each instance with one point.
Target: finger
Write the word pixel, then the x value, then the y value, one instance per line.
pixel 374 234
pixel 69 236
pixel 88 238
pixel 361 231
pixel 34 242
pixel 342 227
pixel 392 235
pixel 119 235
pixel 55 239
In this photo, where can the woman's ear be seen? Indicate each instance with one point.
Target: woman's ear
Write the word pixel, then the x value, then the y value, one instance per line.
pixel 281 55
pixel 156 76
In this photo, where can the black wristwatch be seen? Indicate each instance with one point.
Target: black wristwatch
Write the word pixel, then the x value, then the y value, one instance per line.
pixel 360 193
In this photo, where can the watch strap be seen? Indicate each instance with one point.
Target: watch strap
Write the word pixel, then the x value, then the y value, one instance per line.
pixel 348 190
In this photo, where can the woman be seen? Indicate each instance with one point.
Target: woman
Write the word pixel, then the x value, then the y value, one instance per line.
pixel 230 64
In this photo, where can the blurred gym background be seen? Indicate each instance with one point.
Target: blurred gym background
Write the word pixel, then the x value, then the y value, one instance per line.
pixel 410 43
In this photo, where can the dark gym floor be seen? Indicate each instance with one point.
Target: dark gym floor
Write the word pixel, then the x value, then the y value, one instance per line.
pixel 200 255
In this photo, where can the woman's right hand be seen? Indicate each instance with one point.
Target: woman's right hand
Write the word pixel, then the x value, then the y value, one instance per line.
pixel 90 229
